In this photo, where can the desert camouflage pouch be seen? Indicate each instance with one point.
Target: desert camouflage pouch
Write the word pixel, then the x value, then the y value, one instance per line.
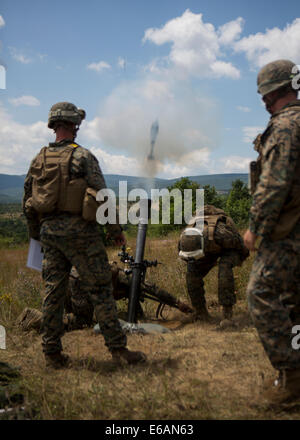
pixel 210 223
pixel 90 205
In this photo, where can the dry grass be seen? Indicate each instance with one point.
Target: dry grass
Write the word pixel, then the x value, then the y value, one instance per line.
pixel 195 372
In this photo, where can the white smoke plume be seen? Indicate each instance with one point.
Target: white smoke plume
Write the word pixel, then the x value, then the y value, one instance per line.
pixel 188 121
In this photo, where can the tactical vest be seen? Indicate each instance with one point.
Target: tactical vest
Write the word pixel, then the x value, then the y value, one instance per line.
pixel 52 189
pixel 211 218
pixel 290 213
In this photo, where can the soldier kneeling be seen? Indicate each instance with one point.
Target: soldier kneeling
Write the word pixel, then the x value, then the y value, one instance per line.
pixel 79 310
pixel 219 243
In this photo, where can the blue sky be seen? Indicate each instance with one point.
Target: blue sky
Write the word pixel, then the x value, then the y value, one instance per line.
pixel 190 64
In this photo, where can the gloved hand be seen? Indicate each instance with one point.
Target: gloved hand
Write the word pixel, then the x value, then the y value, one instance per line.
pixel 120 240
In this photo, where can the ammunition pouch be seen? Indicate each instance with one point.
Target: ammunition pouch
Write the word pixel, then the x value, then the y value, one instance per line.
pixel 255 171
pixel 210 223
pixel 75 193
pixel 90 205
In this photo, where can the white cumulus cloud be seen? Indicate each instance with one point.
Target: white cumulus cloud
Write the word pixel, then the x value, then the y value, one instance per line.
pixel 153 89
pixel 197 48
pixel 235 164
pixel 243 108
pixel 19 143
pixel 231 31
pixel 98 67
pixel 250 133
pixel 275 43
pixel 25 100
pixel 121 63
pixel 2 22
pixel 19 56
pixel 220 68
pixel 117 163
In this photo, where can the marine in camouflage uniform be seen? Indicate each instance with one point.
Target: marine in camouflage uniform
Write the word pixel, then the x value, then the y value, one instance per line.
pixel 69 240
pixel 274 285
pixel 78 307
pixel 223 245
pixel 80 310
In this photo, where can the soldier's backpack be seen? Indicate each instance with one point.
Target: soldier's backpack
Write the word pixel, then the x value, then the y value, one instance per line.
pixel 219 232
pixel 212 218
pixel 52 189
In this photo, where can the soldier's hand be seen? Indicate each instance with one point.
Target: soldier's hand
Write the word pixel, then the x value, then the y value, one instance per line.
pixel 249 240
pixel 120 240
pixel 184 307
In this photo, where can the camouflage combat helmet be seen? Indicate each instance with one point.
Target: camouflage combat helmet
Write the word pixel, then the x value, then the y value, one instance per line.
pixel 191 244
pixel 65 111
pixel 274 75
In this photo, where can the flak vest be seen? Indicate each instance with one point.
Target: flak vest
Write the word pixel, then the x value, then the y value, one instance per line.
pixel 210 222
pixel 52 189
pixel 290 213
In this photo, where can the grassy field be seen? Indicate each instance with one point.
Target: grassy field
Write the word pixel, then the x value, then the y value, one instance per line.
pixel 194 372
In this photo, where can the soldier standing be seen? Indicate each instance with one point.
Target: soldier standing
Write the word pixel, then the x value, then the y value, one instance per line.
pixel 57 204
pixel 220 244
pixel 273 289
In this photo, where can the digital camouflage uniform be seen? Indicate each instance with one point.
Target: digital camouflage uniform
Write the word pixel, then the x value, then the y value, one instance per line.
pixel 80 310
pixel 230 252
pixel 78 306
pixel 68 240
pixel 274 286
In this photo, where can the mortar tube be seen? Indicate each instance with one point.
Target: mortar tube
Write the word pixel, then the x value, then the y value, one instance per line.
pixel 137 271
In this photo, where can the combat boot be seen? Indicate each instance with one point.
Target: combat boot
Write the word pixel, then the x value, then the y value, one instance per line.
pixel 227 312
pixel 57 360
pixel 131 357
pixel 227 321
pixel 201 314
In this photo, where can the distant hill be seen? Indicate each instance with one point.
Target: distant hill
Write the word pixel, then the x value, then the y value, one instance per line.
pixel 11 181
pixel 11 186
pixel 222 182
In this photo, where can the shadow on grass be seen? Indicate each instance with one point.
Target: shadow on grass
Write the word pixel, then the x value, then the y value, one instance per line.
pixel 106 367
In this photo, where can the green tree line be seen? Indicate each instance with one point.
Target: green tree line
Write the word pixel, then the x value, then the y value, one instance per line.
pixel 13 230
pixel 236 204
